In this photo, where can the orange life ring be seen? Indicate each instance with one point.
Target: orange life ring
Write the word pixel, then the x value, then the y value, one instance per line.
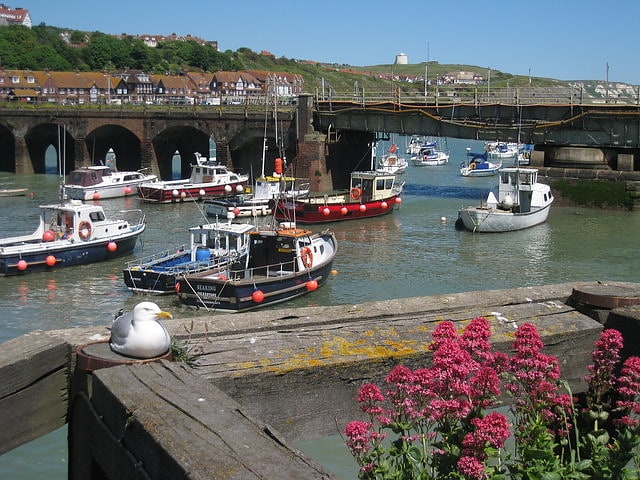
pixel 356 193
pixel 84 230
pixel 307 257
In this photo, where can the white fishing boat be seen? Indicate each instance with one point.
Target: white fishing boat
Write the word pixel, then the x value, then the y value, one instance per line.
pixel 208 179
pixel 522 203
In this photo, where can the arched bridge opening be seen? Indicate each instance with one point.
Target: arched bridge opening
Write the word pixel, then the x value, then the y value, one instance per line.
pixel 124 144
pixel 186 141
pixel 8 149
pixel 38 140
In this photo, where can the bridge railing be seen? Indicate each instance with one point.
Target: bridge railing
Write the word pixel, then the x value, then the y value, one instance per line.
pixel 474 95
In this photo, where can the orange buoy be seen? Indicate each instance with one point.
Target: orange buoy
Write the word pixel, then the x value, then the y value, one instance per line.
pixel 278 166
pixel 312 285
pixel 48 236
pixel 257 296
pixel 50 260
pixel 22 265
pixel 112 246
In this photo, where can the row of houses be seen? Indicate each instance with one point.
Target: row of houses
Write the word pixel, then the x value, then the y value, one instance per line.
pixel 138 87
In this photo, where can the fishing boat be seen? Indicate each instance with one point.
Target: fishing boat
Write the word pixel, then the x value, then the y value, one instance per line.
pixel 477 165
pixel 70 233
pixel 98 182
pixel 372 193
pixel 429 155
pixel 391 162
pixel 282 263
pixel 207 179
pixel 522 203
pixel 211 245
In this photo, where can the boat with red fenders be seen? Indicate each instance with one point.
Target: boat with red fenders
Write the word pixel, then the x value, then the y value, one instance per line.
pixel 372 193
pixel 207 179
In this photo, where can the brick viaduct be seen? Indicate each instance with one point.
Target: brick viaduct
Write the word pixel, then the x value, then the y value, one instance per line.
pixel 149 138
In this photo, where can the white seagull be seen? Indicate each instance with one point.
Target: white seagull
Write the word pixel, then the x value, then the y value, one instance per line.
pixel 139 333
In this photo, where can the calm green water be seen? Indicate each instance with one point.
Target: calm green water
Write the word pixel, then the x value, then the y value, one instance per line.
pixel 412 252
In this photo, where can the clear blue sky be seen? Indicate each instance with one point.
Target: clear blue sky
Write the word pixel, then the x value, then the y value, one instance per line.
pixel 563 39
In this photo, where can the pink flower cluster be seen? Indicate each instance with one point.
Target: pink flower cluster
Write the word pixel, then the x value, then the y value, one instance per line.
pixel 439 413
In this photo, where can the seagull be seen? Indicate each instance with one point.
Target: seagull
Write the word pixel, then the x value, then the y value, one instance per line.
pixel 139 333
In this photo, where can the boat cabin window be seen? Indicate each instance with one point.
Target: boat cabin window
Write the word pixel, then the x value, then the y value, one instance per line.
pixel 97 216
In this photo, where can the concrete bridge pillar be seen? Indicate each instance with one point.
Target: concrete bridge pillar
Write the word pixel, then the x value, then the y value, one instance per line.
pixel 23 159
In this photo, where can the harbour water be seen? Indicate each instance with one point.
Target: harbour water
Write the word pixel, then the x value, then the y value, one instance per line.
pixel 415 251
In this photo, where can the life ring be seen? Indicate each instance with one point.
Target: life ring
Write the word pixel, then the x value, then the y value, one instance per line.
pixel 307 257
pixel 472 166
pixel 84 230
pixel 356 193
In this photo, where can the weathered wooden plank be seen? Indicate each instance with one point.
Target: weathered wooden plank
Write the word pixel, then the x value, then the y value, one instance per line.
pixel 33 388
pixel 177 425
pixel 33 411
pixel 26 359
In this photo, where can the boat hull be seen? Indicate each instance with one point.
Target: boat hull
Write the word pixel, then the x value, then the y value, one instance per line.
pixel 179 192
pixel 65 253
pixel 492 220
pixel 100 193
pixel 221 294
pixel 310 213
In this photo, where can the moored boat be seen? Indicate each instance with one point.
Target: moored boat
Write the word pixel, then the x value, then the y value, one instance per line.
pixel 282 264
pixel 502 150
pixel 262 199
pixel 391 162
pixel 207 179
pixel 98 182
pixel 477 165
pixel 429 155
pixel 522 203
pixel 12 192
pixel 372 194
pixel 211 245
pixel 70 233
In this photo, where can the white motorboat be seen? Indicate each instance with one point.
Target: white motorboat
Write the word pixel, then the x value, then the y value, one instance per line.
pixel 522 203
pixel 98 182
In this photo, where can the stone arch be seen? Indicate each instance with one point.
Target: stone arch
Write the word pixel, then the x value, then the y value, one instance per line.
pixel 41 136
pixel 125 144
pixel 185 140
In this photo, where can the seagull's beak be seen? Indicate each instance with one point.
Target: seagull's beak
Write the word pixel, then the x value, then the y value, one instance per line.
pixel 163 314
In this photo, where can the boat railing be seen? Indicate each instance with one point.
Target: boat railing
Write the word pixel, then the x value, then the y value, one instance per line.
pixel 272 270
pixel 140 220
pixel 166 254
